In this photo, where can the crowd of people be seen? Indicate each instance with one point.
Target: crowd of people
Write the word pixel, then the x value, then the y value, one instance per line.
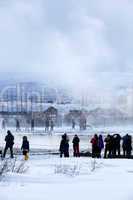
pixel 112 145
pixel 107 147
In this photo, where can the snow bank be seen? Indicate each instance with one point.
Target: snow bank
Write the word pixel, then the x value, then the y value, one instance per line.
pixel 51 178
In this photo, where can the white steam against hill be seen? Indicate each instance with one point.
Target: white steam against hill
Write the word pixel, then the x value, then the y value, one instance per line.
pixel 75 44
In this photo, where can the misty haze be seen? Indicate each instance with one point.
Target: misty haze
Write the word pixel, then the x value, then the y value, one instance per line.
pixel 66 99
pixel 81 48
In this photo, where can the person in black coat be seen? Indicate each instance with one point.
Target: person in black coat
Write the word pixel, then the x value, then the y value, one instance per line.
pixel 75 142
pixel 64 146
pixel 17 125
pixel 9 143
pixel 73 124
pixel 25 147
pixel 116 144
pixel 32 125
pixel 127 145
pixel 108 146
pixel 47 125
pixel 51 125
pixel 3 124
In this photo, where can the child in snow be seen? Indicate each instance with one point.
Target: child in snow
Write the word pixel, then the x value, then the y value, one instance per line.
pixel 25 147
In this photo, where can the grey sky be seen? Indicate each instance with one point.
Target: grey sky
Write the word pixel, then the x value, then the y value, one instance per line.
pixel 69 42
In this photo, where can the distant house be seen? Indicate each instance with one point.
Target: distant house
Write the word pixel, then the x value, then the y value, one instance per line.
pixel 76 115
pixel 51 113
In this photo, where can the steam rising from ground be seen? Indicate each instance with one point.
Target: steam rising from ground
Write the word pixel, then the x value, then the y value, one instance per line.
pixel 76 44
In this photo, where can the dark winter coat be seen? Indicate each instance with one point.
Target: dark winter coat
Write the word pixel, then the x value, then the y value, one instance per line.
pixel 109 142
pixel 25 145
pixel 64 145
pixel 127 143
pixel 76 140
pixel 9 140
pixel 116 140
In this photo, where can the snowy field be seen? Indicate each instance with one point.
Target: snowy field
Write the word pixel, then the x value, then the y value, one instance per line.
pixel 48 177
pixel 52 178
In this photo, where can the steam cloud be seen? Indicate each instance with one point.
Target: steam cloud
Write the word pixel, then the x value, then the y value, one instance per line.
pixel 76 44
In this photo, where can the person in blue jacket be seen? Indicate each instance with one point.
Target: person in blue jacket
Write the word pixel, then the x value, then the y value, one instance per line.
pixel 100 144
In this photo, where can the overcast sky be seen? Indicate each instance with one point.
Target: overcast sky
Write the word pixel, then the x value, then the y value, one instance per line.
pixel 74 43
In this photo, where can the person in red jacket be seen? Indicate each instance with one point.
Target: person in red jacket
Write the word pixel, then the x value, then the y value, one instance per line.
pixel 75 142
pixel 95 147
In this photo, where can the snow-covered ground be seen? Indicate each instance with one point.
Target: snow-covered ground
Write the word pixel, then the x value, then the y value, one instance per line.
pixel 52 178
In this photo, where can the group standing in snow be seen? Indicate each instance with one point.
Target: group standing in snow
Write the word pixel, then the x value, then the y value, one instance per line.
pixel 64 146
pixel 108 147
pixel 97 145
pixel 112 145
